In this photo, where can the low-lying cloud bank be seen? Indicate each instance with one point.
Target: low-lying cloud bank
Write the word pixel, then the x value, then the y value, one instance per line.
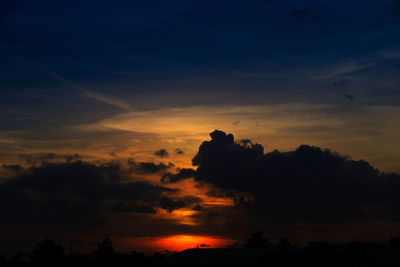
pixel 81 194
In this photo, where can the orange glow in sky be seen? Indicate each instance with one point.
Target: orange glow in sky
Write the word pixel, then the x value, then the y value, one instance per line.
pixel 177 242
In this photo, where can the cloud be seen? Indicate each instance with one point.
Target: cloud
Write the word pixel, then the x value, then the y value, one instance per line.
pixel 136 208
pixel 85 201
pixel 173 204
pixel 182 174
pixel 13 167
pixel 341 69
pixel 108 100
pixel 39 158
pixel 162 153
pixel 75 194
pixel 307 185
pixel 148 167
pixel 179 151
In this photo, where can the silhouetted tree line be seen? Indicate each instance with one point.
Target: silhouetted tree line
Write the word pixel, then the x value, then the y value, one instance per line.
pixel 317 254
pixel 50 253
pixel 283 253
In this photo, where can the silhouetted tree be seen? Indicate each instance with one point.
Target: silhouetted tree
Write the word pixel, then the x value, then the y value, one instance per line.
pixel 282 255
pixel 137 256
pixel 105 251
pixel 321 254
pixel 17 258
pixel 395 243
pixel 157 256
pixel 257 240
pixel 3 258
pixel 284 245
pixel 76 258
pixel 47 252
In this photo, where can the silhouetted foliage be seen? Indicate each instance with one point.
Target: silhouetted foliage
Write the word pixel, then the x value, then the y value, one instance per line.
pixel 258 250
pixel 257 240
pixel 47 252
pixel 138 257
pixel 3 258
pixel 321 254
pixel 157 256
pixel 284 245
pixel 395 243
pixel 105 251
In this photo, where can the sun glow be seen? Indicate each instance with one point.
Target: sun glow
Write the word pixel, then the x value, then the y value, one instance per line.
pixel 182 242
pixel 173 242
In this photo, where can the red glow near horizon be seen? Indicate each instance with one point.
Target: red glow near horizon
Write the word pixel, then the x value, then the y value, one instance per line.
pixel 176 242
pixel 182 242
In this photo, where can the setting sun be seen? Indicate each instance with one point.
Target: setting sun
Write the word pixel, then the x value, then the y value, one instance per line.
pixel 175 242
pixel 182 242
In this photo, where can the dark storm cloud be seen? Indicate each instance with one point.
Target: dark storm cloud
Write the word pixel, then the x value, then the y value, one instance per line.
pixel 162 153
pixel 149 167
pixel 39 158
pixel 182 174
pixel 75 194
pixel 136 208
pixel 178 203
pixel 308 184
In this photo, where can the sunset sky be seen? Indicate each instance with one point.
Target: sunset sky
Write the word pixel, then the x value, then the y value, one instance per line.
pixel 104 104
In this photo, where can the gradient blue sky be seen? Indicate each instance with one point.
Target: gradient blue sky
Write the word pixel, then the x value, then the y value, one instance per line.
pixel 91 76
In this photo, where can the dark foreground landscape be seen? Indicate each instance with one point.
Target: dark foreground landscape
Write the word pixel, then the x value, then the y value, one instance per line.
pixel 257 250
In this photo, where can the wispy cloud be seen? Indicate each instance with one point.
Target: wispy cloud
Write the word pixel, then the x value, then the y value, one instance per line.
pixel 108 100
pixel 72 84
pixel 89 93
pixel 52 74
pixel 338 70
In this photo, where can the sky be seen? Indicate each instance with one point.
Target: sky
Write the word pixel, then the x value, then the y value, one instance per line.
pixel 104 104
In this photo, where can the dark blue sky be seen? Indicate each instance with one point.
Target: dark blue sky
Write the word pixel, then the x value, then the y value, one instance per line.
pixel 68 63
pixel 103 43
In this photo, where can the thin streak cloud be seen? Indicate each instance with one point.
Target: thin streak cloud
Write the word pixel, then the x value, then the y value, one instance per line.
pixel 108 100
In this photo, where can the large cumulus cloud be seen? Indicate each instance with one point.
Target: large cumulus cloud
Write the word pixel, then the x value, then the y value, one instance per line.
pixel 79 194
pixel 307 185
